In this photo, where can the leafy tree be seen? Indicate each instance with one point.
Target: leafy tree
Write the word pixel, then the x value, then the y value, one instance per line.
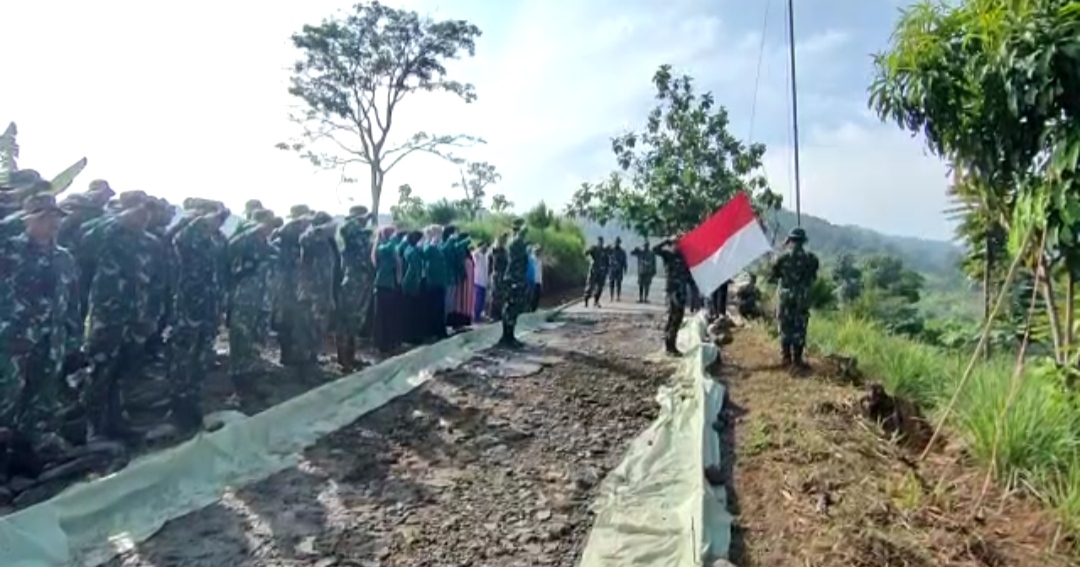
pixel 476 177
pixel 443 212
pixel 847 279
pixel 354 71
pixel 679 169
pixel 991 86
pixel 889 275
pixel 408 206
pixel 541 217
pixel 500 204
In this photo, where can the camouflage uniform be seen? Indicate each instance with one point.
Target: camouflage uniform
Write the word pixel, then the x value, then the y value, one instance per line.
pixel 677 276
pixel 496 268
pixel 616 270
pixel 286 274
pixel 794 272
pixel 315 292
pixel 249 254
pixel 357 285
pixel 199 289
pixel 646 270
pixel 162 274
pixel 598 266
pixel 40 328
pixel 514 284
pixel 119 296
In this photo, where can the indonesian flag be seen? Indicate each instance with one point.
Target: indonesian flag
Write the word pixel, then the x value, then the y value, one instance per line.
pixel 724 244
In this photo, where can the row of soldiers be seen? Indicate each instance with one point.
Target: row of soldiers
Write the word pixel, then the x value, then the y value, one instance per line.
pixel 608 264
pixel 98 285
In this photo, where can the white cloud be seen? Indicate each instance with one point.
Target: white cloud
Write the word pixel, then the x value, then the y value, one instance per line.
pixel 189 99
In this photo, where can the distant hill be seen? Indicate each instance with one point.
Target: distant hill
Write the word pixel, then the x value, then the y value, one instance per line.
pixel 932 257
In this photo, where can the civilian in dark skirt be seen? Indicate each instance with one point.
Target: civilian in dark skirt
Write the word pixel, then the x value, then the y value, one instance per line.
pixel 387 293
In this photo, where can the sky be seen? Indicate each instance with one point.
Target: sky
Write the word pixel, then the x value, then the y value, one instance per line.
pixel 189 99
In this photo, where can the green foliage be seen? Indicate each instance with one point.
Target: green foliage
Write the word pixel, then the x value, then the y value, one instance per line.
pixel 355 69
pixel 991 85
pixel 679 169
pixel 847 279
pixel 476 177
pixel 1034 440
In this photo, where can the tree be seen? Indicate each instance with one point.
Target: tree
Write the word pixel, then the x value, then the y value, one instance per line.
pixel 408 206
pixel 500 204
pixel 991 85
pixel 475 178
pixel 354 71
pixel 541 217
pixel 443 212
pixel 679 170
pixel 847 279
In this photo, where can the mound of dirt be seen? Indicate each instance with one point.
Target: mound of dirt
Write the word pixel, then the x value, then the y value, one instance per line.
pixel 814 481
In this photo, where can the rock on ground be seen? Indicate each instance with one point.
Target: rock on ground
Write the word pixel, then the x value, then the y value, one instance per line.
pixel 492 464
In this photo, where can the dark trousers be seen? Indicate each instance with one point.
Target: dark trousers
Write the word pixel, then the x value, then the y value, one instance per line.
pixel 388 317
pixel 436 312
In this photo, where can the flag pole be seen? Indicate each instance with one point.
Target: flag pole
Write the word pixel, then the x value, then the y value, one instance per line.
pixel 794 109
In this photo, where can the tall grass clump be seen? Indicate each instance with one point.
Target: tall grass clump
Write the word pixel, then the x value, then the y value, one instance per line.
pixel 1026 427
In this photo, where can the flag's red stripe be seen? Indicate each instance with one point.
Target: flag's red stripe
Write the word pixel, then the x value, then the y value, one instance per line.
pixel 701 243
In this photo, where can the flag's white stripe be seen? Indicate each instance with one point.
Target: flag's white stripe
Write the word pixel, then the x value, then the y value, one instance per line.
pixel 742 248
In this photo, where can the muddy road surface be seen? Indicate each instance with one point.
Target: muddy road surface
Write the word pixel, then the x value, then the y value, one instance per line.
pixel 495 463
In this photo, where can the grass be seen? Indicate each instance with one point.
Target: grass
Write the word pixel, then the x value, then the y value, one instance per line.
pixel 1038 433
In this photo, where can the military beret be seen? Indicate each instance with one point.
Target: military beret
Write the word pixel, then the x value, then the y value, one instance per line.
pixel 41 203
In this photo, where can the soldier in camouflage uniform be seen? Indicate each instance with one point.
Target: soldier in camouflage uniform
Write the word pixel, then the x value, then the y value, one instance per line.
pixel 616 270
pixel 357 285
pixel 749 299
pixel 286 275
pixel 199 289
pixel 163 273
pixel 598 267
pixel 514 285
pixel 497 263
pixel 119 295
pixel 315 292
pixel 794 272
pixel 677 276
pixel 249 254
pixel 40 328
pixel 646 270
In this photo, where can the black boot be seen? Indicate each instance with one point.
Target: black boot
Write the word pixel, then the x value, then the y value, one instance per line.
pixel 670 348
pixel 797 356
pixel 507 339
pixel 786 350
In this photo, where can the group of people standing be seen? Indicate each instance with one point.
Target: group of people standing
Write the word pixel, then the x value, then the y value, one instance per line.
pixel 793 271
pixel 100 284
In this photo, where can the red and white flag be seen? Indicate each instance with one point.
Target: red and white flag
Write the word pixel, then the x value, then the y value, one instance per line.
pixel 724 244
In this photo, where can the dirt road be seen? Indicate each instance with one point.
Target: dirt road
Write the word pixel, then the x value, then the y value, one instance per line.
pixel 492 464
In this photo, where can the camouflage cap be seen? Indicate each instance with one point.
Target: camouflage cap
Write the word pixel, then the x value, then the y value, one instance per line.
pixel 277 222
pixel 297 211
pixel 78 201
pixel 262 216
pixel 797 234
pixel 358 211
pixel 101 186
pixel 322 217
pixel 253 205
pixel 132 199
pixel 41 203
pixel 22 180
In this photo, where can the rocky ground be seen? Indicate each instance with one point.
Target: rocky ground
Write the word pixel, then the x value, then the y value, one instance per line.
pixel 815 483
pixel 495 463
